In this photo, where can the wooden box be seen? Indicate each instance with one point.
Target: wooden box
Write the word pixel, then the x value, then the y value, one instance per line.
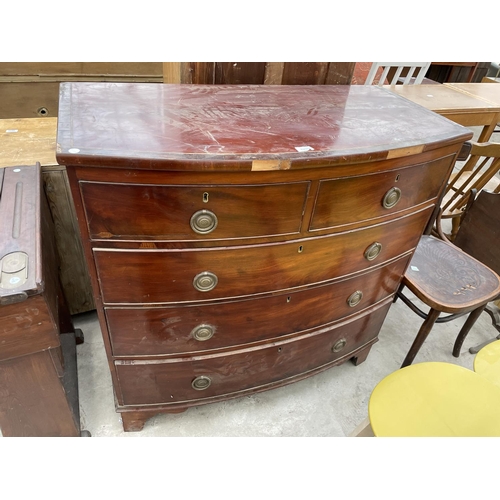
pixel 38 379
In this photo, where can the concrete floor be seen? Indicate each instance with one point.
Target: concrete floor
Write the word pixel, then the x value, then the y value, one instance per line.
pixel 329 404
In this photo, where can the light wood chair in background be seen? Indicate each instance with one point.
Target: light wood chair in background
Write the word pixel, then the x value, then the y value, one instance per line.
pixel 477 173
pixel 414 75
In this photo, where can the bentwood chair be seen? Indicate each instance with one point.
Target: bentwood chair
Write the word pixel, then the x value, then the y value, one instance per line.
pixel 459 278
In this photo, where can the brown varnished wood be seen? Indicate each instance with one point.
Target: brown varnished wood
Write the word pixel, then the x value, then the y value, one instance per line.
pixel 141 159
pixel 136 211
pixel 239 73
pixel 449 280
pixel 335 206
pixel 33 402
pixel 37 374
pixel 151 276
pixel 227 128
pixel 168 331
pixel 169 381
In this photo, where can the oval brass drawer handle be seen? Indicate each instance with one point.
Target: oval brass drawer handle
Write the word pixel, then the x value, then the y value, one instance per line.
pixel 203 222
pixel 339 345
pixel 203 332
pixel 373 251
pixel 392 197
pixel 205 281
pixel 354 299
pixel 201 383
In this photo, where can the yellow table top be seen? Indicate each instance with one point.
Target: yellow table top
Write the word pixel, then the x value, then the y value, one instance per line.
pixel 24 141
pixel 487 362
pixel 435 400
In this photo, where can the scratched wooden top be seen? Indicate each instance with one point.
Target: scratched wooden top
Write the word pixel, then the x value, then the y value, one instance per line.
pixel 148 125
pixel 25 141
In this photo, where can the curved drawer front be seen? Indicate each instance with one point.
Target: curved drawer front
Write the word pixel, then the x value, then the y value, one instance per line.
pixel 136 211
pixel 178 380
pixel 338 200
pixel 154 276
pixel 161 331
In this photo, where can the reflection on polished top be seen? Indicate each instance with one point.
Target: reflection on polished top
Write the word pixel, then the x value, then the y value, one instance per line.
pixel 159 125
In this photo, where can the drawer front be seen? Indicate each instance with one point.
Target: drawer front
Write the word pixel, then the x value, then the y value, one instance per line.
pixel 161 331
pixel 138 212
pixel 155 276
pixel 338 200
pixel 171 381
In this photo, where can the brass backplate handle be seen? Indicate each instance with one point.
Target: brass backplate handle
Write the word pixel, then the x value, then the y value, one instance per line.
pixel 203 332
pixel 339 345
pixel 205 281
pixel 201 383
pixel 203 222
pixel 391 198
pixel 373 251
pixel 355 298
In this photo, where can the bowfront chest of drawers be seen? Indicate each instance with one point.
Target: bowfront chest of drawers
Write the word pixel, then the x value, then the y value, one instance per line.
pixel 240 238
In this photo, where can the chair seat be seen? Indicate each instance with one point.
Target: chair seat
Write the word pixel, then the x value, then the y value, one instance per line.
pixel 487 362
pixel 449 280
pixel 435 399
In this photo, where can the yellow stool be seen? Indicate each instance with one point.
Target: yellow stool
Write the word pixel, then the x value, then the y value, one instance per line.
pixel 487 362
pixel 435 400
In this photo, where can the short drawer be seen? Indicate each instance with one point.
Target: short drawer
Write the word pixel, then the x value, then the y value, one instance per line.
pixel 173 330
pixel 338 200
pixel 171 381
pixel 141 212
pixel 176 276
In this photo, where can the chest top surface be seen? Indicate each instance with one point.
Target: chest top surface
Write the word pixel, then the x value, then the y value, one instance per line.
pixel 230 126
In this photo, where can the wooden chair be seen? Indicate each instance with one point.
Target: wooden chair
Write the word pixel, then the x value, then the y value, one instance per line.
pixel 396 69
pixel 477 173
pixel 459 278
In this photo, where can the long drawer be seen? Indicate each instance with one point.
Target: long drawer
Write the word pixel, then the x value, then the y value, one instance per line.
pixel 187 329
pixel 338 200
pixel 173 381
pixel 175 276
pixel 138 211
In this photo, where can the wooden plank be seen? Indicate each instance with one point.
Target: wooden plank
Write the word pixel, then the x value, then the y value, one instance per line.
pixel 65 69
pixel 234 73
pixel 171 72
pixel 274 73
pixel 304 73
pixel 73 270
pixel 28 99
pixel 340 73
pixel 27 141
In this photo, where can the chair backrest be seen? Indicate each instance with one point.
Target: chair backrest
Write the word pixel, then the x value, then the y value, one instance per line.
pixel 398 68
pixel 479 232
pixel 478 172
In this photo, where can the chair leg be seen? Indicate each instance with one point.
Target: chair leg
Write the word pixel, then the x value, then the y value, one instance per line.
pixel 421 336
pixel 466 328
pixel 494 313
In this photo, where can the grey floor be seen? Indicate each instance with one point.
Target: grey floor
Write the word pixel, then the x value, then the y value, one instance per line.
pixel 331 403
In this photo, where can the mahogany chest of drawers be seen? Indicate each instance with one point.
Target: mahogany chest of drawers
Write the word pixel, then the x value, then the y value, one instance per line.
pixel 244 237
